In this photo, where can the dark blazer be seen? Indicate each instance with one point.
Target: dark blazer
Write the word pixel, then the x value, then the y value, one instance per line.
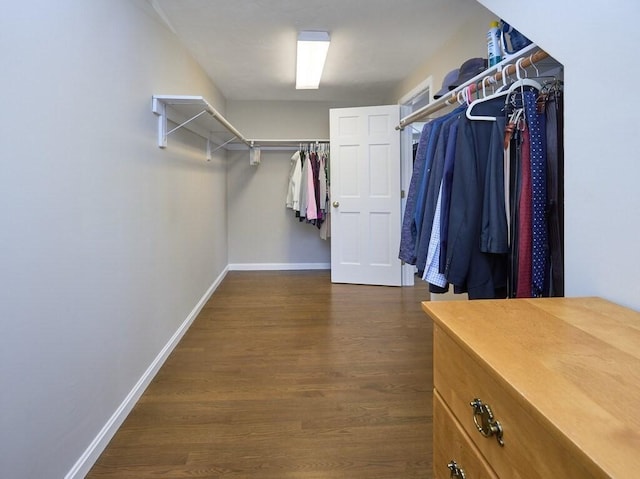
pixel 480 274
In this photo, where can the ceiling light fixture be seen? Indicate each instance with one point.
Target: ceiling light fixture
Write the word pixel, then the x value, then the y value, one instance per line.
pixel 312 52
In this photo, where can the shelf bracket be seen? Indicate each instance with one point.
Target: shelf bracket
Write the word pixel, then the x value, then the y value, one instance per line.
pixel 210 152
pixel 160 109
pixel 224 144
pixel 165 106
pixel 185 122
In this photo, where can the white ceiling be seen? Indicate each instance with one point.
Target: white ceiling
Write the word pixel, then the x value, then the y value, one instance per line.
pixel 247 47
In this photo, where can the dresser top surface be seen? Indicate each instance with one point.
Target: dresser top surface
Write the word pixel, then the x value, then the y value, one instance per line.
pixel 574 362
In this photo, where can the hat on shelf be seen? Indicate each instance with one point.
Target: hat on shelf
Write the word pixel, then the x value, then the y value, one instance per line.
pixel 469 69
pixel 449 78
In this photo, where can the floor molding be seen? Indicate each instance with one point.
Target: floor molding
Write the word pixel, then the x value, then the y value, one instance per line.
pixel 91 454
pixel 277 266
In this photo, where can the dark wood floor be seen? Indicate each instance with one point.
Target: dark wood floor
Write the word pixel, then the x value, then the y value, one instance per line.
pixel 285 375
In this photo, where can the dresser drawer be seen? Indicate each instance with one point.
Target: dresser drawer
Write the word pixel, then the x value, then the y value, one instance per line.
pixel 451 443
pixel 531 449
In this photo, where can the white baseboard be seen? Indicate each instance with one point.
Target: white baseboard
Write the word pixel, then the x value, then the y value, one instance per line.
pixel 277 266
pixel 91 454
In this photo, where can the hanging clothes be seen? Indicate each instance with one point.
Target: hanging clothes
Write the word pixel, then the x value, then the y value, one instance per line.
pixel 311 176
pixel 479 273
pixel 447 181
pixel 432 273
pixel 409 232
pixel 308 186
pixel 538 268
pixel 552 104
pixel 524 274
pixel 484 205
pixel 538 151
pixel 304 187
pixel 413 244
pixel 432 187
pixel 295 180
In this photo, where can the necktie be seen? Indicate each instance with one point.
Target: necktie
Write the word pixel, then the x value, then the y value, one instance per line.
pixel 537 148
pixel 524 221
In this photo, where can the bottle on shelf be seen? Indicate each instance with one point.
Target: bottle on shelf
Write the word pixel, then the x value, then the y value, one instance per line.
pixel 493 44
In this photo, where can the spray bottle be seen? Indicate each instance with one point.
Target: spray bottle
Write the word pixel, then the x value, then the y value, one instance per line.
pixel 493 44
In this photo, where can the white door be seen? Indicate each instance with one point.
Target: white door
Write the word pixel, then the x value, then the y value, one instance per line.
pixel 365 195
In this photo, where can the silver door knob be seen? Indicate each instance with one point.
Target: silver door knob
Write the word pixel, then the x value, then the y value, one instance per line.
pixel 336 204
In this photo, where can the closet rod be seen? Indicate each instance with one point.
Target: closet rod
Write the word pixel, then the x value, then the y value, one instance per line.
pixel 278 144
pixel 474 84
pixel 292 142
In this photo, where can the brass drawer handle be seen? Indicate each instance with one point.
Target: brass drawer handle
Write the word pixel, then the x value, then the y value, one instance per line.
pixel 456 471
pixel 485 422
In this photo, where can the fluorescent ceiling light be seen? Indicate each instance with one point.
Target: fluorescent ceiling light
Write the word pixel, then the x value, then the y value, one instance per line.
pixel 312 52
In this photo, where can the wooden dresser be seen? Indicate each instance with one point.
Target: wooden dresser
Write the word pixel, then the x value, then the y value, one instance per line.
pixel 536 388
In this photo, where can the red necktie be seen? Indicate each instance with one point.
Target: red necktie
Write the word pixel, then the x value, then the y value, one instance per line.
pixel 524 221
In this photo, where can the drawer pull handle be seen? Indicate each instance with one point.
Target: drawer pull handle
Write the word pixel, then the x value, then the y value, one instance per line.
pixel 456 471
pixel 486 424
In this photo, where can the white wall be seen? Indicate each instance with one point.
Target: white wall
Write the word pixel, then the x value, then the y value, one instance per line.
pixel 468 42
pixel 106 241
pixel 263 234
pixel 598 46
